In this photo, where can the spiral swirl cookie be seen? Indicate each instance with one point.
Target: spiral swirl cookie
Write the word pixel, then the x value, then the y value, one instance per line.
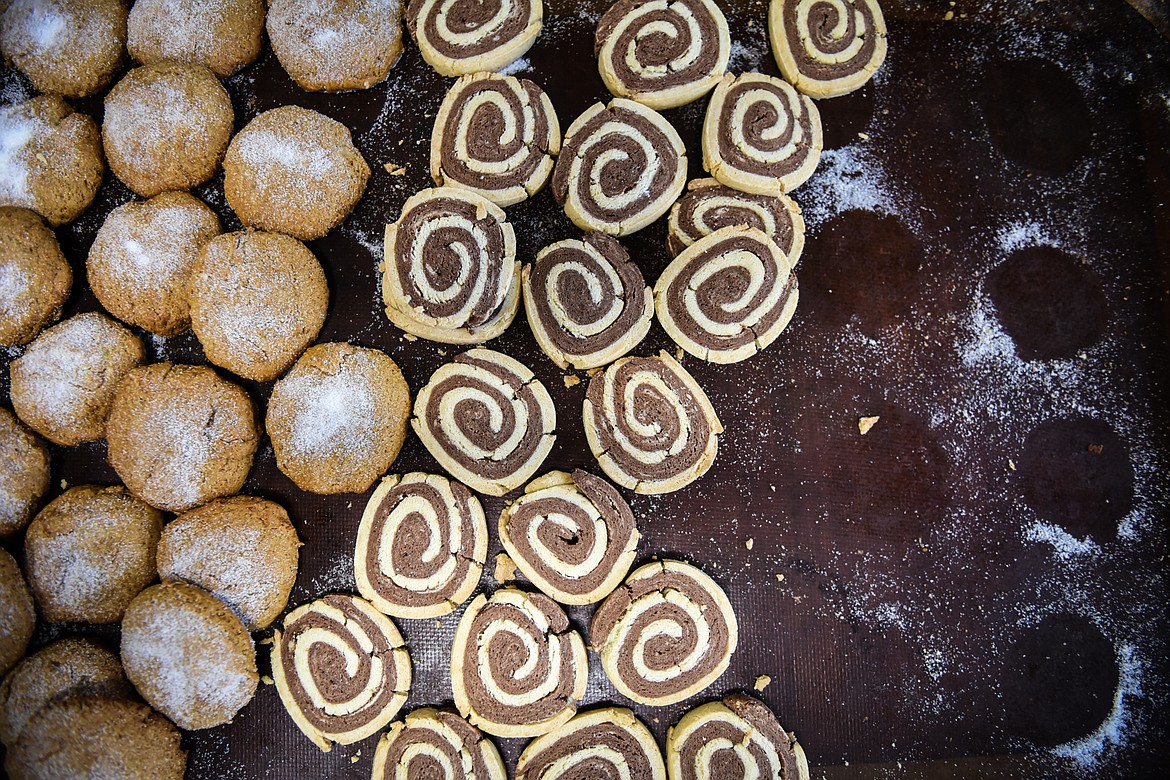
pixel 421 546
pixel 666 634
pixel 517 667
pixel 733 739
pixel 827 48
pixel 650 425
pixel 586 301
pixel 608 742
pixel 727 296
pixel 434 743
pixel 450 271
pixel 760 135
pixel 495 135
pixel 487 420
pixel 465 36
pixel 662 53
pixel 341 668
pixel 708 206
pixel 621 168
pixel 573 536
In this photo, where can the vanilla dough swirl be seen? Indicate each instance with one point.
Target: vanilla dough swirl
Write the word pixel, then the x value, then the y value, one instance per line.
pixel 708 206
pixel 457 37
pixel 603 743
pixel 734 739
pixel 827 48
pixel 436 744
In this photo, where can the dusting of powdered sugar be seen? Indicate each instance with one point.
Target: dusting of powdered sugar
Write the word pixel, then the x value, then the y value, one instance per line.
pixel 331 414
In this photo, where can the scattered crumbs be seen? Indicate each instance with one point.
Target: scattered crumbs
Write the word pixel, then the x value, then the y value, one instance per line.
pixel 572 380
pixel 354 759
pixel 772 488
pixel 864 424
pixel 1096 449
pixel 656 720
pixel 678 354
pixel 594 372
pixel 1011 464
pixel 798 599
pixel 750 543
pixel 438 624
pixel 762 682
pixel 266 680
pixel 64 484
pixel 394 169
pixel 948 16
pixel 779 578
pixel 863 136
pixel 266 640
pixel 349 505
pixel 409 337
pixel 505 569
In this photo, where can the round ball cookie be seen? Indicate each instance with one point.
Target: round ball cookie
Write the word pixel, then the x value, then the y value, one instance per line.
pixel 457 38
pixel 257 301
pixel 336 45
pixel 166 127
pixel 662 53
pixel 294 171
pixel 337 419
pixel 518 668
pixel 35 277
pixel 224 35
pixel 827 49
pixel 436 744
pixel 487 420
pixel 242 550
pixel 708 206
pixel 18 617
pixel 321 639
pixel 52 160
pixel 180 436
pixel 89 552
pixel 92 737
pixel 587 302
pixel 650 425
pixel 666 634
pixel 760 135
pixel 140 264
pixel 621 168
pixel 727 296
pixel 572 535
pixel 421 546
pixel 607 742
pixel 67 47
pixel 496 136
pixel 450 272
pixel 24 475
pixel 64 383
pixel 65 669
pixel 733 739
pixel 188 655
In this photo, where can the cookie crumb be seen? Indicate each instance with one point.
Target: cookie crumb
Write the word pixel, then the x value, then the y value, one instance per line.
pixel 1011 464
pixel 949 15
pixel 395 170
pixel 773 487
pixel 762 682
pixel 438 624
pixel 750 543
pixel 410 337
pixel 505 569
pixel 863 136
pixel 864 424
pixel 266 680
pixel 572 380
pixel 678 354
pixel 1096 449
pixel 354 759
pixel 779 578
pixel 266 641
pixel 64 484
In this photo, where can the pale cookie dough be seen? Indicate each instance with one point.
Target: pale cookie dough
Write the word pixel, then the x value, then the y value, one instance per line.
pixel 35 277
pixel 609 742
pixel 734 739
pixel 335 45
pixel 223 35
pixel 430 741
pixel 69 47
pixel 18 617
pixel 827 49
pixel 708 206
pixel 24 474
pixel 459 38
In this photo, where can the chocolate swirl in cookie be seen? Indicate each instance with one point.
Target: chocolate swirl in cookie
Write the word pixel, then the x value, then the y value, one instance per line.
pixel 666 634
pixel 662 53
pixel 573 536
pixel 464 36
pixel 495 135
pixel 734 739
pixel 341 668
pixel 587 302
pixel 487 420
pixel 604 743
pixel 827 48
pixel 436 744
pixel 450 271
pixel 727 296
pixel 760 135
pixel 621 168
pixel 420 547
pixel 650 425
pixel 709 206
pixel 517 667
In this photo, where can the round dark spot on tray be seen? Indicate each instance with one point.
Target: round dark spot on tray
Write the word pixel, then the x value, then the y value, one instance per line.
pixel 844 117
pixel 1076 473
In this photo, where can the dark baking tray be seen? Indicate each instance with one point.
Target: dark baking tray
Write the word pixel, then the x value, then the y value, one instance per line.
pixel 977 587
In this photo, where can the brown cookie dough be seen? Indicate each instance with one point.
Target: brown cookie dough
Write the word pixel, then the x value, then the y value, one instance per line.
pixel 140 264
pixel 69 47
pixel 89 552
pixel 64 383
pixel 338 419
pixel 294 171
pixel 188 655
pixel 241 549
pixel 224 36
pixel 18 617
pixel 24 473
pixel 257 301
pixel 166 127
pixel 52 158
pixel 335 45
pixel 34 276
pixel 65 669
pixel 180 436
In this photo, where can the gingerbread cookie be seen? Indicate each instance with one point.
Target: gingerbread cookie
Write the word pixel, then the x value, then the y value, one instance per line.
pixel 606 742
pixel 434 741
pixel 830 48
pixel 24 474
pixel 335 45
pixel 666 634
pixel 37 277
pixel 224 35
pixel 18 617
pixel 733 739
pixel 708 206
pixel 67 47
pixel 461 38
